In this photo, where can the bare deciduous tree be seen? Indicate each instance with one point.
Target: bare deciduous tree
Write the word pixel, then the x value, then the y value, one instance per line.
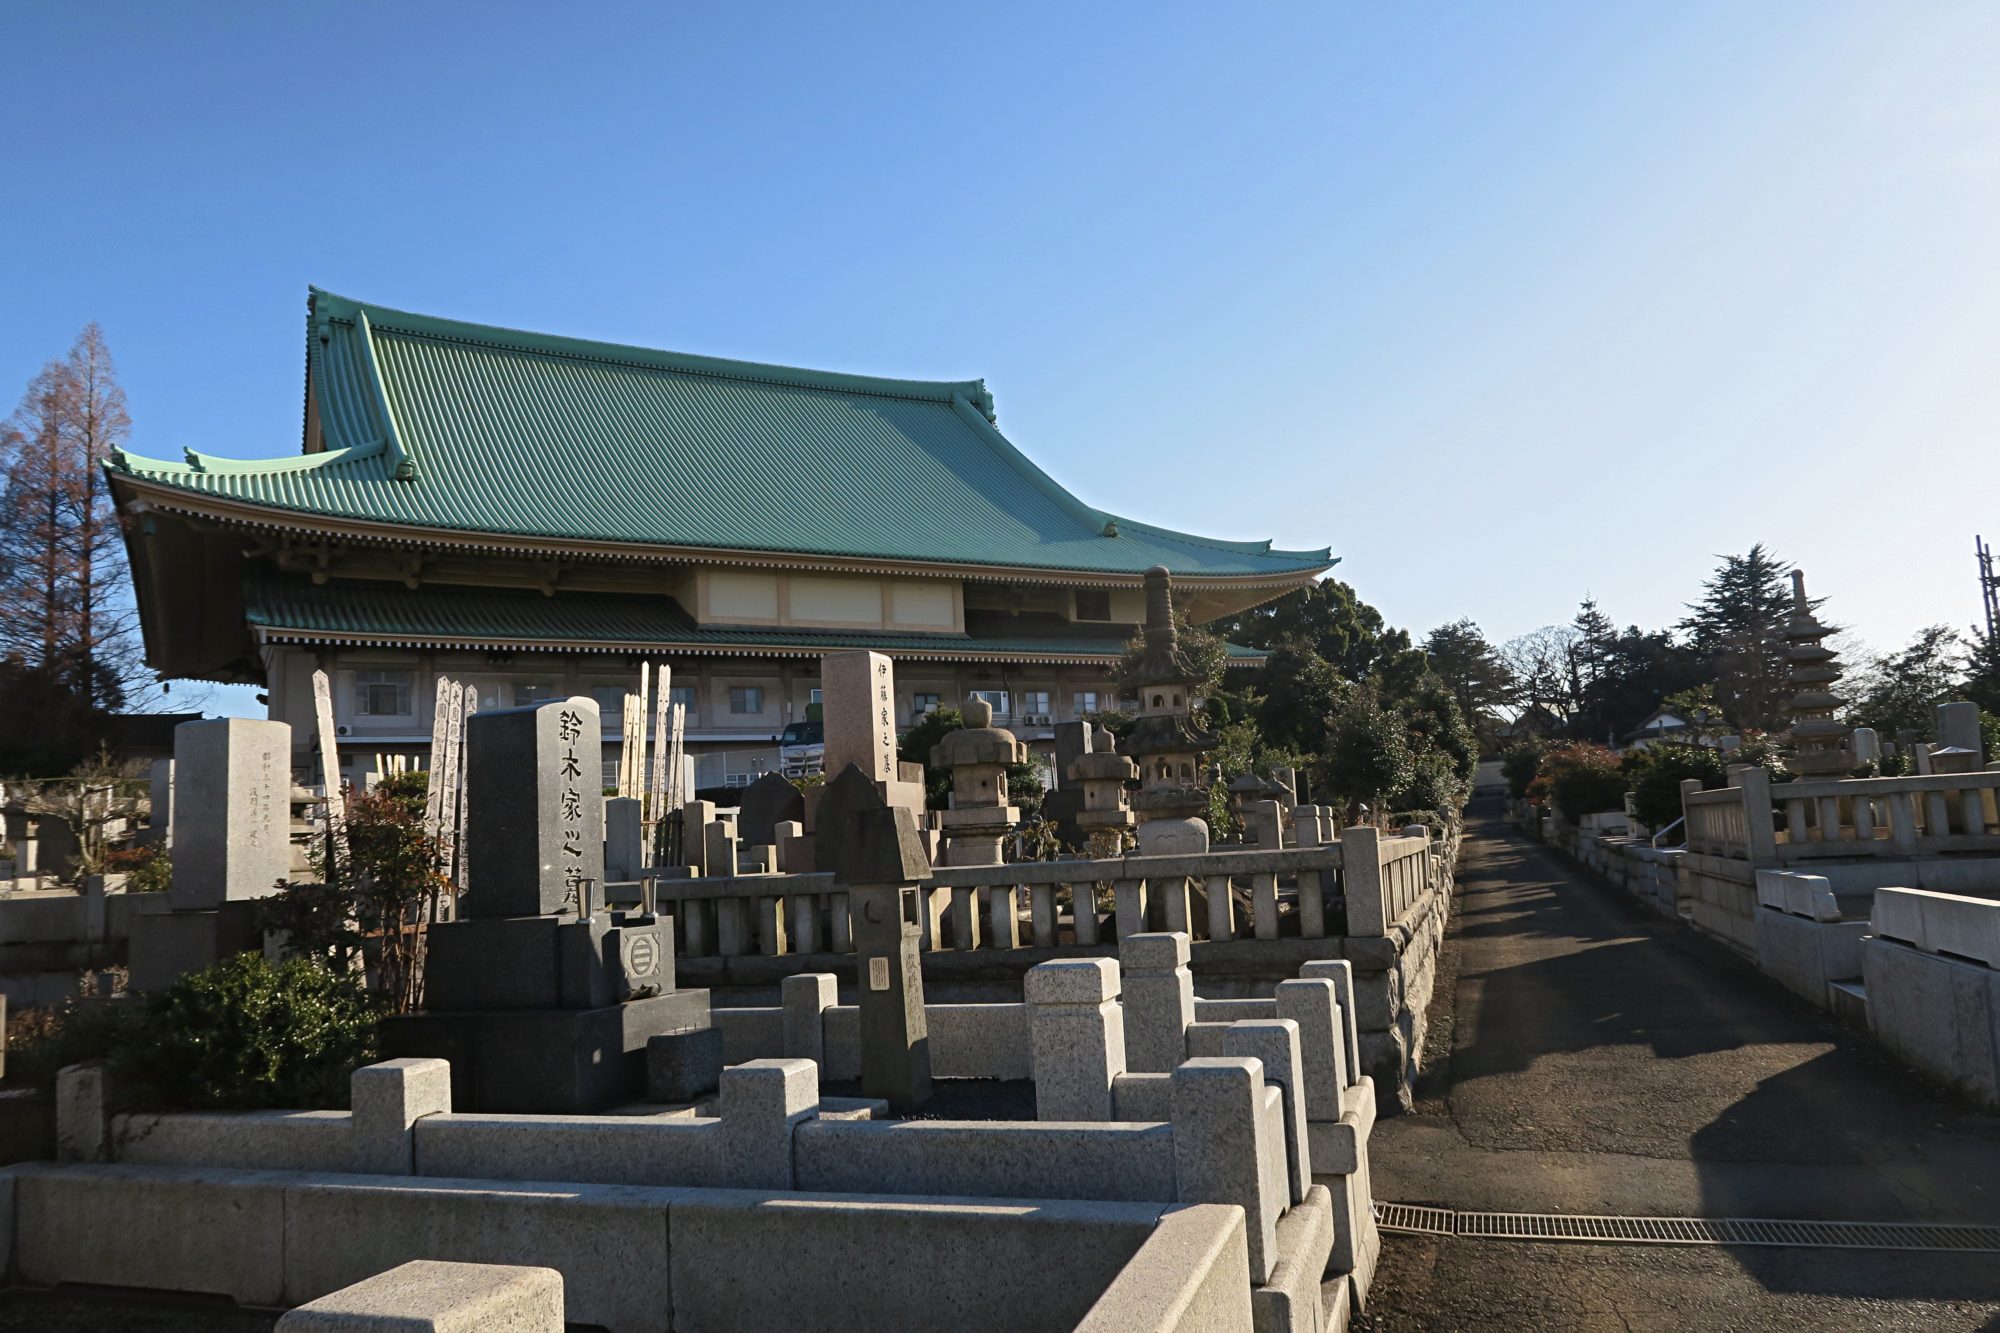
pixel 65 602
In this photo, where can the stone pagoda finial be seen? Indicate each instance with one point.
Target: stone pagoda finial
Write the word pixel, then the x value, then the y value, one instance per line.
pixel 1821 746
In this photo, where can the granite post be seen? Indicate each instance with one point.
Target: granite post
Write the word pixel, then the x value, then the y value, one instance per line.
pixel 1158 1000
pixel 1222 1149
pixel 1077 1035
pixel 1275 1043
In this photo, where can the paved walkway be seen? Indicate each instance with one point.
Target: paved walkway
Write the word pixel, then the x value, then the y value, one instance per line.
pixel 1594 1058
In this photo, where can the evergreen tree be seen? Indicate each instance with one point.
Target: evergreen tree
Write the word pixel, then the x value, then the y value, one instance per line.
pixel 1898 691
pixel 1982 673
pixel 1591 637
pixel 1368 753
pixel 1472 669
pixel 1340 627
pixel 1739 627
pixel 1300 691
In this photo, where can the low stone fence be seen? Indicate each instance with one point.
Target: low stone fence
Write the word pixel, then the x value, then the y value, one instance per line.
pixel 1146 1098
pixel 1932 969
pixel 680 1221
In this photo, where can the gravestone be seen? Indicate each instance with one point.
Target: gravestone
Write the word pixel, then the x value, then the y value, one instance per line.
pixel 858 709
pixel 624 839
pixel 858 691
pixel 541 998
pixel 1073 739
pixel 532 779
pixel 1958 729
pixel 844 796
pixel 160 792
pixel 768 802
pixel 1062 804
pixel 882 865
pixel 1867 745
pixel 231 839
pixel 232 836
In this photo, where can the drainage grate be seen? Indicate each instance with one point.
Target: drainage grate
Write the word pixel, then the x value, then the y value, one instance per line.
pixel 1689 1230
pixel 1417 1218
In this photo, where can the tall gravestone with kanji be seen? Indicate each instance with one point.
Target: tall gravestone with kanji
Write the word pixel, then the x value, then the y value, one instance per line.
pixel 541 998
pixel 231 837
pixel 858 692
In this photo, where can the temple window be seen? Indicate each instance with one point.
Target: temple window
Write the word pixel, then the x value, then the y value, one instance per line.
pixel 382 693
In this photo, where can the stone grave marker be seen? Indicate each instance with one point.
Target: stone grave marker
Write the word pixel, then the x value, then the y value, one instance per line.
pixel 768 802
pixel 233 841
pixel 858 690
pixel 882 865
pixel 535 826
pixel 845 795
pixel 541 997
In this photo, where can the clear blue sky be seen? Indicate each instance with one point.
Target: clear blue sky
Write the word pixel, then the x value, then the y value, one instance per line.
pixel 1507 303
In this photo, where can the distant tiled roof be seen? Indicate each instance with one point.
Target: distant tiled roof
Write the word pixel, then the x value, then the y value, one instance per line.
pixel 438 424
pixel 299 611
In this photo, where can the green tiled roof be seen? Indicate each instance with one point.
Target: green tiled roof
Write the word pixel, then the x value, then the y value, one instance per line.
pixel 296 609
pixel 439 424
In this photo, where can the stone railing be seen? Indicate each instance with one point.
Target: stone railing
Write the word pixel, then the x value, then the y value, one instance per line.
pixel 1848 817
pixel 1715 822
pixel 1358 886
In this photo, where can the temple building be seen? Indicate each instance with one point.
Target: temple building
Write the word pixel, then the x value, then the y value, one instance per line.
pixel 536 515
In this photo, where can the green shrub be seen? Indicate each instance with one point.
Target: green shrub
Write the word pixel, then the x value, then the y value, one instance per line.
pixel 1435 784
pixel 247 1034
pixel 1519 763
pixel 243 1035
pixel 1656 774
pixel 1584 780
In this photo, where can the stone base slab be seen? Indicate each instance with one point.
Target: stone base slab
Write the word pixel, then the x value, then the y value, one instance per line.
pixel 546 1061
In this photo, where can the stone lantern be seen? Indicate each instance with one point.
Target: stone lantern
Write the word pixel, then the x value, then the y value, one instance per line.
pixel 1166 743
pixel 1103 774
pixel 978 755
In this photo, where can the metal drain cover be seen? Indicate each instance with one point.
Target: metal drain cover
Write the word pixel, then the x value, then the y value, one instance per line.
pixel 1925 1236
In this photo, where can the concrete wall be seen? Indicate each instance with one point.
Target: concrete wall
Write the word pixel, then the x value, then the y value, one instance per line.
pixel 1940 1014
pixel 1807 956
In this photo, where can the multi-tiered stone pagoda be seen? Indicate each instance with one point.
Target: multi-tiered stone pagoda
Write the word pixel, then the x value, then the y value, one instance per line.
pixel 1821 746
pixel 1166 742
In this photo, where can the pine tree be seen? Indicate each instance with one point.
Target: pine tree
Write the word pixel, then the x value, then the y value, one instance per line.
pixel 1594 638
pixel 1478 677
pixel 1739 626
